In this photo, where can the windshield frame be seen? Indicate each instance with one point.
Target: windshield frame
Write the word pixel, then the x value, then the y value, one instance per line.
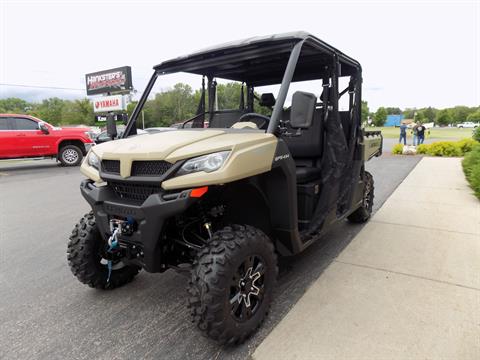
pixel 131 128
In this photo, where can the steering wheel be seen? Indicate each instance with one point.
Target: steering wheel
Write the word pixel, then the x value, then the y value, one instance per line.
pixel 261 124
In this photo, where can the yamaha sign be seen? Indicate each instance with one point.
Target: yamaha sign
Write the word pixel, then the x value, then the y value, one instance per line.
pixel 109 103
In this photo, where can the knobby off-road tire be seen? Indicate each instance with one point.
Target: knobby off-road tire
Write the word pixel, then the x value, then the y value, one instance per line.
pixel 236 255
pixel 363 213
pixel 84 254
pixel 70 155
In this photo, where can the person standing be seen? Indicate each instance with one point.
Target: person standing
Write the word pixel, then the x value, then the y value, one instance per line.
pixel 415 133
pixel 403 134
pixel 420 133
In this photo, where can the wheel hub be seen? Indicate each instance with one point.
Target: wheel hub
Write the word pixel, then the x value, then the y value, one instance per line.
pixel 70 156
pixel 248 287
pixel 246 292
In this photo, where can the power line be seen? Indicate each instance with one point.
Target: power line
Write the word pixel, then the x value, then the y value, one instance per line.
pixel 41 87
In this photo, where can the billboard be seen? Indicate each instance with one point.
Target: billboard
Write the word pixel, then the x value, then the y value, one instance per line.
pixel 107 81
pixel 109 103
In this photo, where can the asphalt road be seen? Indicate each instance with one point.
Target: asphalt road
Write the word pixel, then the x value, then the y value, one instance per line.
pixel 45 313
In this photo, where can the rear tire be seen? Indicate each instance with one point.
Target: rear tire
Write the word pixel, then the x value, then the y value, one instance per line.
pixel 232 283
pixel 363 213
pixel 84 256
pixel 70 155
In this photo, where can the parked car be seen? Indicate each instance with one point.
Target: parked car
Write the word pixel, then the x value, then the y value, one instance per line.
pixel 24 136
pixel 104 137
pixel 467 124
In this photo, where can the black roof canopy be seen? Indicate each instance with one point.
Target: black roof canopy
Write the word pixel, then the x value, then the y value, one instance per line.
pixel 262 60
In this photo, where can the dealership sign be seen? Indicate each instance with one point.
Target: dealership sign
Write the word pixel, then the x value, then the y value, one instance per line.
pixel 108 81
pixel 117 117
pixel 109 103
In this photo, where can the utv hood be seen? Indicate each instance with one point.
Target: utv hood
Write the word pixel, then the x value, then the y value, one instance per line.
pixel 156 146
pixel 177 145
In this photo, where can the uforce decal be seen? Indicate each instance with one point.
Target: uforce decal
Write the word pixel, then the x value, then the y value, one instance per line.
pixel 281 157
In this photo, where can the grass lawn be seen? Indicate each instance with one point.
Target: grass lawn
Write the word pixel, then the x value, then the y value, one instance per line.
pixel 435 133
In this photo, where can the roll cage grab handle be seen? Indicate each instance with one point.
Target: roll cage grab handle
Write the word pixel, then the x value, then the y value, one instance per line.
pixel 277 110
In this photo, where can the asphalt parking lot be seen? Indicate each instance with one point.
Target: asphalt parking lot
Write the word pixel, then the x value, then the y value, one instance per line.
pixel 46 313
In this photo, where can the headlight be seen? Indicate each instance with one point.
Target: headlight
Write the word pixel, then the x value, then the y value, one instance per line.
pixel 207 163
pixel 93 160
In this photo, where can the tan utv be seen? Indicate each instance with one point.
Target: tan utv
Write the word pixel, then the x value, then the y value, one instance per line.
pixel 231 190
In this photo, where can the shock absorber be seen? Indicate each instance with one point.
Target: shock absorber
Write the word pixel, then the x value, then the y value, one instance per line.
pixel 208 227
pixel 205 222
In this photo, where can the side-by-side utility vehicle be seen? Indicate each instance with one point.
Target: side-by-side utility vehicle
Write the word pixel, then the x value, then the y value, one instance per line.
pixel 230 191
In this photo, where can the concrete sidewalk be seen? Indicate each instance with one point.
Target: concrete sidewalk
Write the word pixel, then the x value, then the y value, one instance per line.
pixel 406 287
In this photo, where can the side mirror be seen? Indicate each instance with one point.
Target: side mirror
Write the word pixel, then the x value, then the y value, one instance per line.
pixel 303 108
pixel 111 127
pixel 43 127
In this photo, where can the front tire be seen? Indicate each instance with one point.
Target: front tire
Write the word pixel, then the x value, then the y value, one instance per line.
pixel 70 155
pixel 232 283
pixel 363 213
pixel 85 254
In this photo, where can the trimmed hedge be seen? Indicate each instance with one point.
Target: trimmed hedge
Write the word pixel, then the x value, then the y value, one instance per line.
pixel 471 168
pixel 447 148
pixel 397 149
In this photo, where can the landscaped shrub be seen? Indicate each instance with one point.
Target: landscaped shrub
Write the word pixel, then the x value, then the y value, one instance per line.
pixel 466 145
pixel 476 134
pixel 422 149
pixel 397 149
pixel 444 148
pixel 471 167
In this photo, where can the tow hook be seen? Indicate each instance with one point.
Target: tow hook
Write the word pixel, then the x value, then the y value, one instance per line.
pixel 112 246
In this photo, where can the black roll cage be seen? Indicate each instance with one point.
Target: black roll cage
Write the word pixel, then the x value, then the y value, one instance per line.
pixel 214 63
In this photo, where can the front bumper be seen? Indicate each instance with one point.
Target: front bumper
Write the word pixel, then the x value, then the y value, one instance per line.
pixel 149 216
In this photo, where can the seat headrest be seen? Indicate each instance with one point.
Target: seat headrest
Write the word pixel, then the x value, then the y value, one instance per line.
pixel 267 99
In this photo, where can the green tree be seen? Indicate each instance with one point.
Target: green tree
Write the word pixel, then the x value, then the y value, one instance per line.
pixel 49 110
pixel 380 117
pixel 365 111
pixel 460 113
pixel 228 95
pixel 171 106
pixel 393 111
pixel 409 113
pixel 77 112
pixel 474 116
pixel 428 114
pixel 14 106
pixel 443 117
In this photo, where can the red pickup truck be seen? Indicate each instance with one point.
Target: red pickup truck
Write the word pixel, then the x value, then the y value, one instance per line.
pixel 24 136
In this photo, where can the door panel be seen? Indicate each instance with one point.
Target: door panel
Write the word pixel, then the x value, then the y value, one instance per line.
pixel 8 139
pixel 31 141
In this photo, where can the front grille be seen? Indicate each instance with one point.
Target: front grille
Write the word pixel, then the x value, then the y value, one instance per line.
pixel 137 192
pixel 150 168
pixel 111 166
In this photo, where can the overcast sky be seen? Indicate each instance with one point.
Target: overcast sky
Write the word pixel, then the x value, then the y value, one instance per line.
pixel 413 53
